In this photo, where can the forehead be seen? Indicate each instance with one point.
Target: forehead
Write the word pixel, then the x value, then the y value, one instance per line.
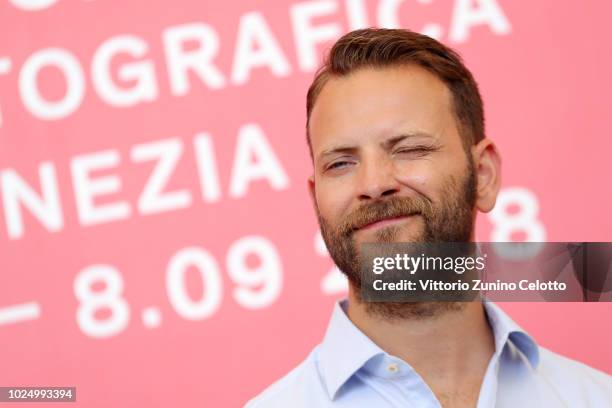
pixel 373 103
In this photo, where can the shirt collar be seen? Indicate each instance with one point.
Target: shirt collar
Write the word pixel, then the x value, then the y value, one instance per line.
pixel 345 348
pixel 505 329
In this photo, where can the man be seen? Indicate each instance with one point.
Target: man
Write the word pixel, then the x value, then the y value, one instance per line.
pixel 395 127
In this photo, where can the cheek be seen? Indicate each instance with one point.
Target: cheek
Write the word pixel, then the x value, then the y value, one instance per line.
pixel 417 180
pixel 333 200
pixel 420 177
pixel 428 178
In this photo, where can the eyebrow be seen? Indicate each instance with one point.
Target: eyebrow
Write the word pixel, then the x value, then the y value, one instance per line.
pixel 387 143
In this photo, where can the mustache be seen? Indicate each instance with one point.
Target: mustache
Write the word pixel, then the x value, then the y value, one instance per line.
pixel 382 209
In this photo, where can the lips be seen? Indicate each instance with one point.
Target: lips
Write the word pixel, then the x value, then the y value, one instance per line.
pixel 382 222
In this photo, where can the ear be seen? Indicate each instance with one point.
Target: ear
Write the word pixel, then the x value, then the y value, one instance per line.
pixel 487 162
pixel 311 190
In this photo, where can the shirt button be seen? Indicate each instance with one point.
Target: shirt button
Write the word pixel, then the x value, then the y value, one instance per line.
pixel 392 368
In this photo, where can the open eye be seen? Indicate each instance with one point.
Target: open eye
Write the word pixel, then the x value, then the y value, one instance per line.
pixel 338 165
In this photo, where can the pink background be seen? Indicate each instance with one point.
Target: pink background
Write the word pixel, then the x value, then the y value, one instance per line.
pixel 543 69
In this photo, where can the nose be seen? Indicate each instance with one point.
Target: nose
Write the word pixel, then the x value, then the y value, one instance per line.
pixel 377 179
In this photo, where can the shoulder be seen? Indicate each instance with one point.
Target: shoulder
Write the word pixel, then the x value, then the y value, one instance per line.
pixel 576 381
pixel 301 387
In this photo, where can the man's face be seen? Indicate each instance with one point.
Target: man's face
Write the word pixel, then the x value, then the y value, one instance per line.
pixel 389 164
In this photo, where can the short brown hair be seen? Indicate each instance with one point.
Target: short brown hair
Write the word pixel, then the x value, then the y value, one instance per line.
pixel 380 48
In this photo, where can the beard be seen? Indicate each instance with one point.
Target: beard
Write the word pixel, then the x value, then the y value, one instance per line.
pixel 451 221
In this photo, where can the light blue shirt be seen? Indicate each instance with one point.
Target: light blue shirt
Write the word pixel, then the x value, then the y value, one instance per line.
pixel 348 370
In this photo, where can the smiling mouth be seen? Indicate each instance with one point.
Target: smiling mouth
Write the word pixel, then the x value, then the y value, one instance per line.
pixel 385 222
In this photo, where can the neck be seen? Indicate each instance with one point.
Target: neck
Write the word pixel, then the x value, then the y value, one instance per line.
pixel 449 349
